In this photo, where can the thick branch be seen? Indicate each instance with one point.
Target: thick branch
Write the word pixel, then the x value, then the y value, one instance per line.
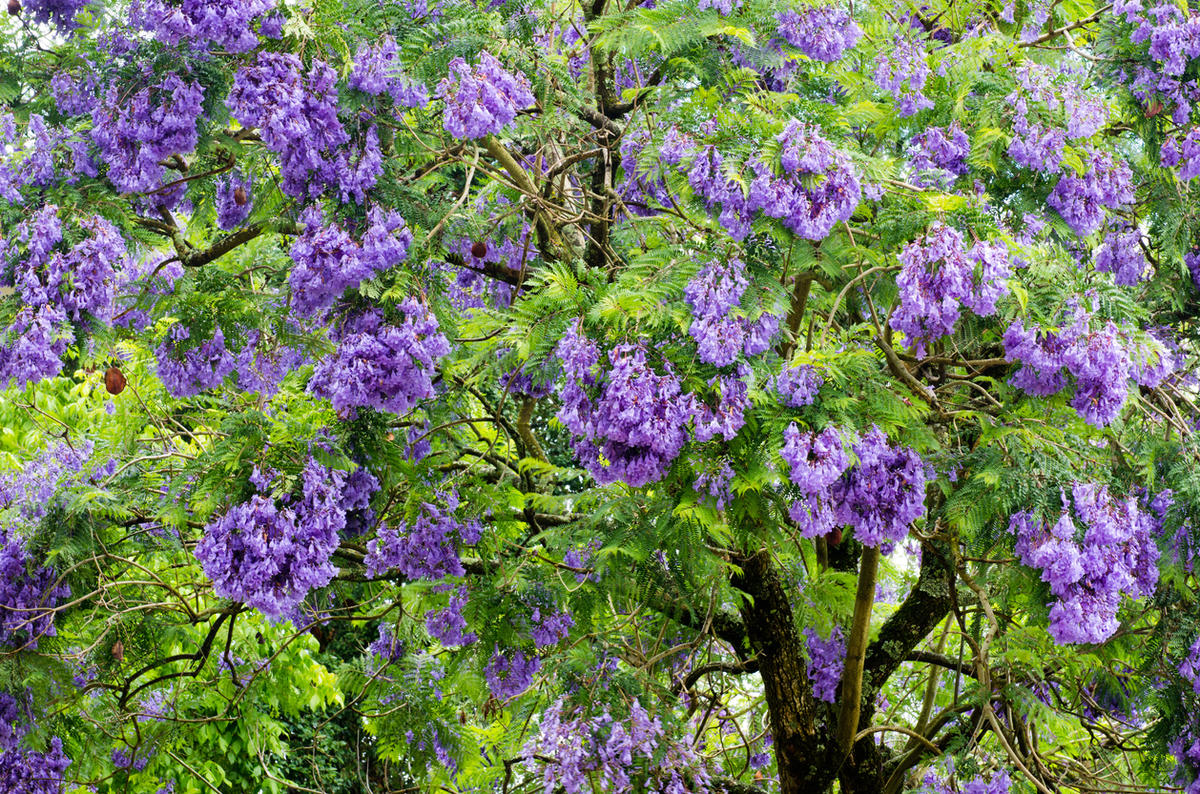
pixel 856 643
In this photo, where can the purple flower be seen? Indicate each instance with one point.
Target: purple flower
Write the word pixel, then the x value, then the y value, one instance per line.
pixel 268 554
pixel 822 33
pixel 382 364
pixel 1122 256
pixel 509 674
pixel 377 71
pixel 883 494
pixel 482 101
pixel 628 421
pixel 424 549
pixel 826 659
pixel 902 69
pixel 1107 551
pixel 798 386
pixel 939 277
pixel 235 200
pixel 448 625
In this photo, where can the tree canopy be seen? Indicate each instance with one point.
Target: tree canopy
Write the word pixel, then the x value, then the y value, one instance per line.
pixel 551 396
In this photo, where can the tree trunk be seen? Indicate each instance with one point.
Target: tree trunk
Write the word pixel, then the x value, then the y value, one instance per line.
pixel 803 746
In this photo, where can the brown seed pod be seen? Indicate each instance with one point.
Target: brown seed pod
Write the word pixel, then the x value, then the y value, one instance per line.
pixel 14 7
pixel 114 380
pixel 118 650
pixel 834 537
pixel 479 249
pixel 1153 109
pixel 239 196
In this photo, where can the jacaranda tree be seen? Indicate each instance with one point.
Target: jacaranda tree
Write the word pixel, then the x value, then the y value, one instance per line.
pixel 548 396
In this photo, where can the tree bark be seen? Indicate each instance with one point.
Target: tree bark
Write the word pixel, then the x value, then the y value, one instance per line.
pixel 803 747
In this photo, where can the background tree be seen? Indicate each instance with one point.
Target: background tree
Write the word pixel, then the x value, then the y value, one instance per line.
pixel 668 396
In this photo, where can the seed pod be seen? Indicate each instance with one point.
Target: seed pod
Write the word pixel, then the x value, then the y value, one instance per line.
pixel 118 650
pixel 239 196
pixel 14 7
pixel 479 249
pixel 834 537
pixel 114 380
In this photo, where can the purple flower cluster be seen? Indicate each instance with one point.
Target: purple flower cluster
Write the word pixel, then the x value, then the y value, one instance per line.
pixel 203 23
pixel 380 363
pixel 814 187
pixel 269 554
pixel 816 461
pixel 1192 261
pixel 883 493
pixel 1100 362
pixel 1081 200
pixel 387 646
pixel 361 485
pixel 262 363
pixel 448 626
pixel 377 71
pixel 998 784
pixel 135 133
pixel 60 13
pixel 25 771
pixel 1186 749
pixel 29 156
pixel 1089 568
pixel 629 422
pixel 426 548
pixel 879 496
pixel 902 70
pixel 825 661
pixel 939 277
pixel 481 101
pixel 1122 256
pixel 56 287
pixel 721 334
pixel 296 117
pixel 618 756
pixel 715 483
pixel 1169 41
pixel 818 189
pixel 939 154
pixel 328 261
pixel 234 200
pixel 798 386
pixel 1186 151
pixel 188 371
pixel 550 628
pixel 510 673
pixel 823 33
pixel 29 592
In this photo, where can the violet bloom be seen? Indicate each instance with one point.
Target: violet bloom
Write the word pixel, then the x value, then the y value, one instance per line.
pixel 1122 256
pixel 377 70
pixel 798 386
pixel 481 101
pixel 826 659
pixel 823 33
pixel 939 277
pixel 235 200
pixel 385 364
pixel 425 549
pixel 1108 551
pixel 269 554
pixel 884 493
pixel 629 422
pixel 509 674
